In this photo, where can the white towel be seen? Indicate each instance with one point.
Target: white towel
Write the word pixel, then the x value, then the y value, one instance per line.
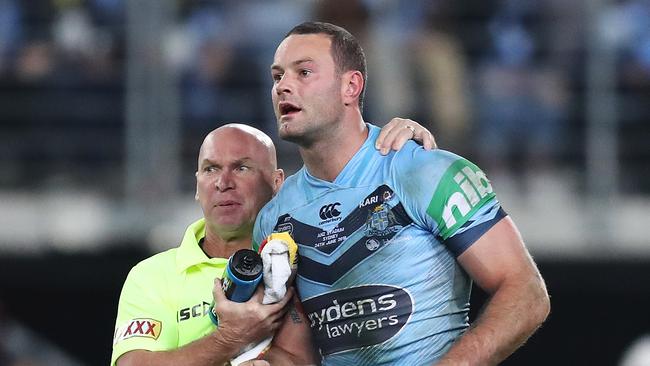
pixel 279 257
pixel 277 270
pixel 252 352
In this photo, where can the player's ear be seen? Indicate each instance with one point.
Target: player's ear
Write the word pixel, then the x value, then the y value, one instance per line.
pixel 278 179
pixel 196 194
pixel 352 86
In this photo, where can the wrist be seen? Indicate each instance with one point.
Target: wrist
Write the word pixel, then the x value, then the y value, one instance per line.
pixel 227 346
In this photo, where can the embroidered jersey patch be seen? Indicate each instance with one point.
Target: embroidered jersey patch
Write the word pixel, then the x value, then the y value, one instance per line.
pixel 141 327
pixel 463 190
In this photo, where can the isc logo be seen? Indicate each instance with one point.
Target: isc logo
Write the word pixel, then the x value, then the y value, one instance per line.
pixel 474 185
pixel 193 312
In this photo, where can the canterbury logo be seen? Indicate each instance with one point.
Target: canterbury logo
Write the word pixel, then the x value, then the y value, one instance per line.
pixel 329 211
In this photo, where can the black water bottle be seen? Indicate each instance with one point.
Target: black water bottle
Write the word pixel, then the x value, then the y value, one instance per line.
pixel 243 274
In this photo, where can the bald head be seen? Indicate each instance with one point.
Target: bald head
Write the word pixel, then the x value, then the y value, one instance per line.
pixel 239 134
pixel 237 174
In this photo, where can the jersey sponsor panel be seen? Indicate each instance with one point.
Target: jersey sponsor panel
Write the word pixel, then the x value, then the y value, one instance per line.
pixel 357 316
pixel 369 227
pixel 139 327
pixel 198 310
pixel 374 215
pixel 463 189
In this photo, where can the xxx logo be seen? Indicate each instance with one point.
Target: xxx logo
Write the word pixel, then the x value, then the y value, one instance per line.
pixel 148 328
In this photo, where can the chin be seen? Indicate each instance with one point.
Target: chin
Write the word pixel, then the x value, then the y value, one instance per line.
pixel 292 137
pixel 232 226
pixel 285 133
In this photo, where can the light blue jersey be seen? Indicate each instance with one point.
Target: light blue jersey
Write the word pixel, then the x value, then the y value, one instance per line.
pixel 377 275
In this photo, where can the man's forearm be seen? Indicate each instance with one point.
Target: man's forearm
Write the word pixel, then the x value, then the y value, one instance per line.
pixel 292 344
pixel 210 350
pixel 511 315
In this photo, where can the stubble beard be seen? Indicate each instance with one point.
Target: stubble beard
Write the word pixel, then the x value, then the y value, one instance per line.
pixel 300 136
pixel 312 129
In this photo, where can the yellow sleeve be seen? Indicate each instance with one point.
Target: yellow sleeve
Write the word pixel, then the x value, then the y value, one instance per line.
pixel 146 315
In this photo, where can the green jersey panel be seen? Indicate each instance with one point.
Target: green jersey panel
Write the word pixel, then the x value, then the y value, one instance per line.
pixel 463 189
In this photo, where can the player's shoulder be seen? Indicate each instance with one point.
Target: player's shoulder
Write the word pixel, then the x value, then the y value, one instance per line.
pixel 293 182
pixel 287 192
pixel 153 265
pixel 413 157
pixel 271 207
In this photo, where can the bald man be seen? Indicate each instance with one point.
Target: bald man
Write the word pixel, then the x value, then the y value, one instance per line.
pixel 162 313
pixel 163 305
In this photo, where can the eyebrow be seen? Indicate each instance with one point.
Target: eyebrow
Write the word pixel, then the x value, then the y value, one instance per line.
pixel 294 63
pixel 243 160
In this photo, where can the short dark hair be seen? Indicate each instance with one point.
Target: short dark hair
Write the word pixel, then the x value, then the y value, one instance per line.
pixel 346 50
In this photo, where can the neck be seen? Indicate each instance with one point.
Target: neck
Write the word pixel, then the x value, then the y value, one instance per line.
pixel 223 245
pixel 327 157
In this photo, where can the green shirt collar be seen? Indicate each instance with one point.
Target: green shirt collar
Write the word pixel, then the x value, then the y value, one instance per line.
pixel 190 253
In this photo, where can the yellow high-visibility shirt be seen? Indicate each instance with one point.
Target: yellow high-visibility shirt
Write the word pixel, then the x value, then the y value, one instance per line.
pixel 165 299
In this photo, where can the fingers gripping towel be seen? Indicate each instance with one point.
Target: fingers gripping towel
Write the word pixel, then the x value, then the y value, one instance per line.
pixel 279 257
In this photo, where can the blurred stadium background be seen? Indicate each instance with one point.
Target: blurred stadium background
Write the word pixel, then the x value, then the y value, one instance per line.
pixel 104 103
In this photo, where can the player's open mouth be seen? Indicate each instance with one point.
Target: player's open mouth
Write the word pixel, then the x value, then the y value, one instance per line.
pixel 287 108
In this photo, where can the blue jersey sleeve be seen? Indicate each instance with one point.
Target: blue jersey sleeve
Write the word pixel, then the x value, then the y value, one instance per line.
pixel 261 229
pixel 447 194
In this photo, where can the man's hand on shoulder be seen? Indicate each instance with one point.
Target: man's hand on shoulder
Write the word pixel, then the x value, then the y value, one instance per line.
pixel 399 130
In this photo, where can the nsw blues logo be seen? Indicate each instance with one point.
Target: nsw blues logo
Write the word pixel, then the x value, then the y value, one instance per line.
pixel 382 222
